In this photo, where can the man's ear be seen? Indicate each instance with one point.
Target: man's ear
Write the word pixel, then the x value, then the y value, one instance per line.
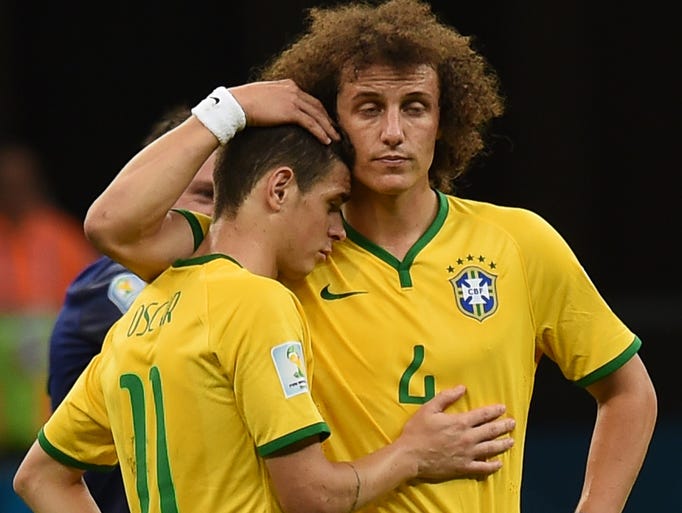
pixel 280 185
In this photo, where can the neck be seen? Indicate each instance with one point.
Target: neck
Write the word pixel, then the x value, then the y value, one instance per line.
pixel 248 244
pixel 393 222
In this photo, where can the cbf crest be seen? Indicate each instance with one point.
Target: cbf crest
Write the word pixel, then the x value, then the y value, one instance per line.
pixel 475 292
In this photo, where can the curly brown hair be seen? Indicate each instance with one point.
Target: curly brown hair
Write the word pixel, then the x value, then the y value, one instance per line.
pixel 401 34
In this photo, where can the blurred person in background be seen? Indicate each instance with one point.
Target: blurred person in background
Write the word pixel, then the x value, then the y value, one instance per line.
pixel 98 296
pixel 42 248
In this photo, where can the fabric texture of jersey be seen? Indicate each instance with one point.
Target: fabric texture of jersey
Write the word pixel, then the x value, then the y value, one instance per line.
pixel 94 301
pixel 479 299
pixel 207 367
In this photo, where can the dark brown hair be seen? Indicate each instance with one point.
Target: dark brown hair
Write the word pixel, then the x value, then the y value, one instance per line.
pixel 256 150
pixel 399 33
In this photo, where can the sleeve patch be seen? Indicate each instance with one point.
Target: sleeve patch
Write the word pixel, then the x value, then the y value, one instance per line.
pixel 123 289
pixel 290 366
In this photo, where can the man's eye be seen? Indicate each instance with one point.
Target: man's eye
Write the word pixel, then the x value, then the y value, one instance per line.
pixel 369 110
pixel 415 109
pixel 206 193
pixel 335 206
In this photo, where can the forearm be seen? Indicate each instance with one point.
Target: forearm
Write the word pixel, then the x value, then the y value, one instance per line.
pixel 57 499
pixel 620 440
pixel 321 486
pixel 47 486
pixel 382 471
pixel 136 202
pixel 433 445
pixel 129 221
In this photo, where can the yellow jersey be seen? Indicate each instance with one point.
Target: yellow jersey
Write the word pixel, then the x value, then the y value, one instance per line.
pixel 478 300
pixel 206 374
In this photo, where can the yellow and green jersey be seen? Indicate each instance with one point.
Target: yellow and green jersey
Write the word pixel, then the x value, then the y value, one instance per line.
pixel 207 373
pixel 477 301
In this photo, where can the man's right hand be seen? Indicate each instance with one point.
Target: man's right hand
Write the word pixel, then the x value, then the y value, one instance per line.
pixel 282 101
pixel 457 445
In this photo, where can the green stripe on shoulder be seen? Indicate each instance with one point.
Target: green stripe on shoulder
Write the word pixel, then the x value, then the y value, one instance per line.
pixel 194 224
pixel 612 366
pixel 68 460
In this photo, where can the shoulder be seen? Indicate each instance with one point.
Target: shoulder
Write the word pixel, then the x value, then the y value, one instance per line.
pixel 226 280
pixel 521 224
pixel 100 269
pixel 234 296
pixel 266 292
pixel 502 214
pixel 258 293
pixel 105 278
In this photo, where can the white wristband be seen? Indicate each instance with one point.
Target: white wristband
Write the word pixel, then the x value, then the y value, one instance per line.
pixel 221 114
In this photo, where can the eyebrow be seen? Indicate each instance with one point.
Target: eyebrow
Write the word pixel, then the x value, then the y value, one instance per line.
pixel 411 96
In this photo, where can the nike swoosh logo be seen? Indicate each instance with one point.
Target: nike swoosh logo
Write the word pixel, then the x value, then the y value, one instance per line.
pixel 330 296
pixel 215 99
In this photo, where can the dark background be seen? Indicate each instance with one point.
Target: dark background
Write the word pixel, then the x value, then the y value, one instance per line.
pixel 589 141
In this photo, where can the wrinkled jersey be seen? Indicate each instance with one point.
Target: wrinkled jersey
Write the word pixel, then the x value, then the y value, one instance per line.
pixel 94 301
pixel 206 373
pixel 478 300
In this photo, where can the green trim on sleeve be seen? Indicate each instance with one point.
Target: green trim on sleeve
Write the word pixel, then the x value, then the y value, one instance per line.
pixel 194 224
pixel 320 429
pixel 67 460
pixel 612 366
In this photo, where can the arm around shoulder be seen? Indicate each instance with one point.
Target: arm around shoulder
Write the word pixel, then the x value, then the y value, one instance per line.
pixel 131 221
pixel 433 445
